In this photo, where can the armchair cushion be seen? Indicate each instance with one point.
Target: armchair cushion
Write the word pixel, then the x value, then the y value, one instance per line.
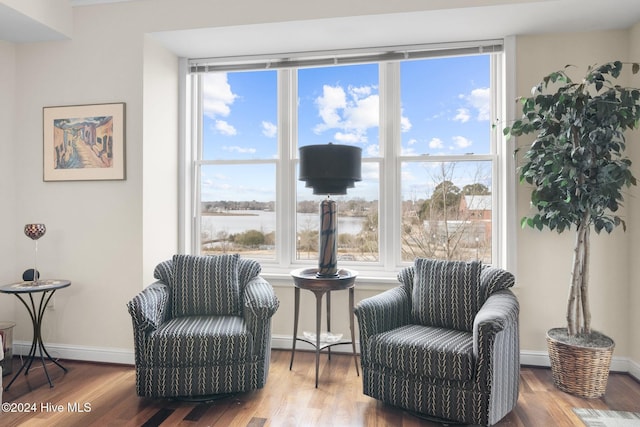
pixel 446 293
pixel 200 340
pixel 425 351
pixel 205 285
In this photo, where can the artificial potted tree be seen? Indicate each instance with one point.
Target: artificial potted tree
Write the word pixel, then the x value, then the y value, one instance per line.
pixel 578 171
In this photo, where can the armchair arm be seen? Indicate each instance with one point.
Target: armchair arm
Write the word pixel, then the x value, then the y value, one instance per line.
pixel 496 344
pixel 260 304
pixel 260 300
pixel 498 313
pixel 383 312
pixel 149 309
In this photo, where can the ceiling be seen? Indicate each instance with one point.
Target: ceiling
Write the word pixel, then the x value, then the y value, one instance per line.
pixel 430 26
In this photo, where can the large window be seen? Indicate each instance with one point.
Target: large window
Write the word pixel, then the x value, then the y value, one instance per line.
pixel 341 104
pixel 448 157
pixel 430 184
pixel 237 163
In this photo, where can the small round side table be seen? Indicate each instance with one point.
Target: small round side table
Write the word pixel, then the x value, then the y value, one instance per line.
pixel 47 288
pixel 320 285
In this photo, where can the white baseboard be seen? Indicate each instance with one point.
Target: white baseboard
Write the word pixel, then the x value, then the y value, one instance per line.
pixel 618 364
pixel 89 354
pixel 534 358
pixel 634 369
pixel 281 342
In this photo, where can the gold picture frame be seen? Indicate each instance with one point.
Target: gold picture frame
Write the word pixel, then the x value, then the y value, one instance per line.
pixel 84 142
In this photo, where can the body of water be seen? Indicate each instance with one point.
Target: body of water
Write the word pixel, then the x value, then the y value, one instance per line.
pixel 265 221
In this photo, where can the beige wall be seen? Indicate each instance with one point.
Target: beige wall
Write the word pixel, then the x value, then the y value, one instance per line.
pixel 160 151
pixel 633 201
pixel 8 143
pixel 107 236
pixel 96 235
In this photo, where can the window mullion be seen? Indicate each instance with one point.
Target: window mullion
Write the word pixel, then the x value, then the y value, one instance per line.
pixel 389 169
pixel 285 204
pixel 197 172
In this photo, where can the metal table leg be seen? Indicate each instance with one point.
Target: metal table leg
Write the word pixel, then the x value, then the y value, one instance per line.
pixel 37 344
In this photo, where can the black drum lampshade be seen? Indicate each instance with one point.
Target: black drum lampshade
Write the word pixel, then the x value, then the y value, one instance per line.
pixel 330 168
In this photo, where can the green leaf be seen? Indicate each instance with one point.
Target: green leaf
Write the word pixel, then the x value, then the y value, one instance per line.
pixel 576 163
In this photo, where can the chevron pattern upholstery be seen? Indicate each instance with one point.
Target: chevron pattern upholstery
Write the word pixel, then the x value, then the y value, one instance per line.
pixel 218 290
pixel 203 328
pixel 444 343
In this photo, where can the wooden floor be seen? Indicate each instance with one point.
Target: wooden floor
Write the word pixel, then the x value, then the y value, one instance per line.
pixel 104 395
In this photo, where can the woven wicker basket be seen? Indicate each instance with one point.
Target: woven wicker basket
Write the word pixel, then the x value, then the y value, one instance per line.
pixel 582 371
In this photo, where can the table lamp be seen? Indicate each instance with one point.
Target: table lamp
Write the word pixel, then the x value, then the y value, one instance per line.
pixel 34 232
pixel 329 169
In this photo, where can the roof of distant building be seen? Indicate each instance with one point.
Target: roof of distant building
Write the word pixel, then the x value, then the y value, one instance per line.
pixel 478 203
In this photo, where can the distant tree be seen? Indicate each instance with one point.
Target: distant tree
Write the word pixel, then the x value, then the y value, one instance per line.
pixel 476 189
pixel 445 198
pixel 250 238
pixel 445 195
pixel 308 206
pixel 368 236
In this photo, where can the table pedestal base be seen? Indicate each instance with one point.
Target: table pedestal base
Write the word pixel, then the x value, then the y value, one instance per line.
pixel 37 345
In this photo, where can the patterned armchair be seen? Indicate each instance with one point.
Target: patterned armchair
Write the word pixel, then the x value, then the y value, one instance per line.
pixel 444 343
pixel 203 328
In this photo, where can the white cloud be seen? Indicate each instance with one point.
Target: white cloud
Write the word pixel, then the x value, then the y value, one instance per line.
pixel 332 100
pixel 480 100
pixel 360 92
pixel 363 113
pixel 370 172
pixel 217 95
pixel 462 115
pixel 462 142
pixel 348 137
pixel 405 124
pixel 236 149
pixel 436 143
pixel 269 129
pixel 407 176
pixel 217 182
pixel 408 151
pixel 350 112
pixel 372 150
pixel 221 126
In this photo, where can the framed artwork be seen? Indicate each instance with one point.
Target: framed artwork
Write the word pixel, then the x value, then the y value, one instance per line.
pixel 84 142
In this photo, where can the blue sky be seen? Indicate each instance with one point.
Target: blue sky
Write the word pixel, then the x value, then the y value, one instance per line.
pixel 445 111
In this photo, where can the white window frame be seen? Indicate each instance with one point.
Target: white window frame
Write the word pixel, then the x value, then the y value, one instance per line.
pixel 503 164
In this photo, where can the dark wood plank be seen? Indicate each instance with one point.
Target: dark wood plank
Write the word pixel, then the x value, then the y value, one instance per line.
pixel 289 399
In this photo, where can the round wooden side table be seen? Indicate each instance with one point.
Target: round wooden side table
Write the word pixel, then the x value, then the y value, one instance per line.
pixel 321 285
